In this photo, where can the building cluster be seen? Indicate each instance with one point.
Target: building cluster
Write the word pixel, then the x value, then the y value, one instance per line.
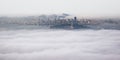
pixel 54 20
pixel 65 21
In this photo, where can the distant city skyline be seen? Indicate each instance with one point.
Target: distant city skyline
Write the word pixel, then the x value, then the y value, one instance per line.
pixel 85 8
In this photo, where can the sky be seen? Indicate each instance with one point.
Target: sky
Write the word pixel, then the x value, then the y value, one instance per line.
pixel 75 7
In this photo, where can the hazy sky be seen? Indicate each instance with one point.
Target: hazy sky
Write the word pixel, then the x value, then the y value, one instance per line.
pixel 76 7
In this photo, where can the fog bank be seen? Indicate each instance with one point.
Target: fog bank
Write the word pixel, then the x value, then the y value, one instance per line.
pixel 60 45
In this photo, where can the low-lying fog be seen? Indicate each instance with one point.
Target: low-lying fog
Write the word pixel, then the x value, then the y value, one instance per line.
pixel 60 45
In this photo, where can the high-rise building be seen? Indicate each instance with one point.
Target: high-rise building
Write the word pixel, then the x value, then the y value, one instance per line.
pixel 75 18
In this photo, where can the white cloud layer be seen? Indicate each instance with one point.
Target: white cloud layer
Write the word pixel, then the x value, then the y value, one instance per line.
pixel 60 45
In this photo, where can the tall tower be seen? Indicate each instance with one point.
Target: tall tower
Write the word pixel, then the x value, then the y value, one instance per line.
pixel 75 18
